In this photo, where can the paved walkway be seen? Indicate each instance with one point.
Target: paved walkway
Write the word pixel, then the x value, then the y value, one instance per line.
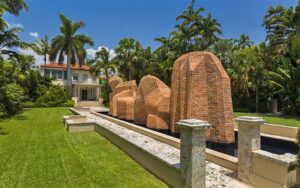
pixel 216 176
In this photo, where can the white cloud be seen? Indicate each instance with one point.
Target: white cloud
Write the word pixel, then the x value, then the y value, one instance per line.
pixel 91 52
pixel 39 60
pixel 34 34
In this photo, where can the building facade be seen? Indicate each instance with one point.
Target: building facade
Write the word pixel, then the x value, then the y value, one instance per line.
pixel 85 86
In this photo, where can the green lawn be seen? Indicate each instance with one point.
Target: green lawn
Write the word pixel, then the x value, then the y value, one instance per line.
pixel 36 151
pixel 274 119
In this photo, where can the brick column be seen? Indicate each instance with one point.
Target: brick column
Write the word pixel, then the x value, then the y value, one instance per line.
pixel 192 151
pixel 248 141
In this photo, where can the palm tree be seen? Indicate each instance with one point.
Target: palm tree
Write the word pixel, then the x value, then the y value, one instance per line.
pixel 8 39
pixel 103 62
pixel 70 44
pixel 41 47
pixel 278 25
pixel 244 41
pixel 224 49
pixel 12 6
pixel 127 56
pixel 285 83
pixel 196 32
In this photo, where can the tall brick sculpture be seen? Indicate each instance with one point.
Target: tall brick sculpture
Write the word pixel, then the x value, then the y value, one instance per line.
pixel 120 90
pixel 201 90
pixel 113 82
pixel 152 103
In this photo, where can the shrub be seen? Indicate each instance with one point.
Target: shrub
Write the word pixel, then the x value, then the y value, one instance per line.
pixel 13 98
pixel 69 103
pixel 3 113
pixel 28 104
pixel 53 96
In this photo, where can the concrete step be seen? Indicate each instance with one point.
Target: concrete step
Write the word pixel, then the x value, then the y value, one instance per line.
pixel 88 104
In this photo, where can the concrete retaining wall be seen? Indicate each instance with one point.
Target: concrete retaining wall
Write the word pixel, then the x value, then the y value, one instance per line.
pixel 169 174
pixel 277 130
pixel 216 157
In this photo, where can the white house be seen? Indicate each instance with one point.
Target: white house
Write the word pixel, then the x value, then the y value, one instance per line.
pixel 86 90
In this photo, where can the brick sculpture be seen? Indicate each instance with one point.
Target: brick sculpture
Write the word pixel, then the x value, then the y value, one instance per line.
pixel 120 90
pixel 113 82
pixel 125 107
pixel 152 103
pixel 201 90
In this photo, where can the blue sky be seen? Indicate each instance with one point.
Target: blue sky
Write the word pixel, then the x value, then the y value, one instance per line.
pixel 108 21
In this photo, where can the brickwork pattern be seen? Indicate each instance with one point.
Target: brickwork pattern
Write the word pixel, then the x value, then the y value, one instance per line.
pixel 120 90
pixel 125 106
pixel 201 90
pixel 152 103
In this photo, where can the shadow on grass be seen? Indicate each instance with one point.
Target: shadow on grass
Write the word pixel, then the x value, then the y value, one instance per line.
pixel 2 132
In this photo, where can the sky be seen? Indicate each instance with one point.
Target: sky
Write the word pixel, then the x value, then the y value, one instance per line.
pixel 108 21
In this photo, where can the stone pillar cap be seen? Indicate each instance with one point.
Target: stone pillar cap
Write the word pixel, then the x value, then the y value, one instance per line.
pixel 250 120
pixel 193 124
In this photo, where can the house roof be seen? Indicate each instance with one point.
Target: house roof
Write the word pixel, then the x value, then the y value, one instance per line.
pixel 64 66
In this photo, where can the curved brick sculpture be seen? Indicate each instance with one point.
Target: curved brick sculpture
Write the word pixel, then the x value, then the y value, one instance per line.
pixel 114 81
pixel 152 103
pixel 120 90
pixel 201 90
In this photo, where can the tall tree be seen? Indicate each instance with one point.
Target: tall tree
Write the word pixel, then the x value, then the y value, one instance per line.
pixel 244 41
pixel 8 39
pixel 224 49
pixel 102 62
pixel 247 72
pixel 71 44
pixel 278 25
pixel 127 56
pixel 42 47
pixel 198 32
pixel 12 6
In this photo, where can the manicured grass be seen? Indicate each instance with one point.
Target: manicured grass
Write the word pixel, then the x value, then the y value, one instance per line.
pixel 274 119
pixel 36 151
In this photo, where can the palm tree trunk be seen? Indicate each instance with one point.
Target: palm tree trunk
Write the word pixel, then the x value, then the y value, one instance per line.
pixel 69 79
pixel 45 61
pixel 256 99
pixel 106 84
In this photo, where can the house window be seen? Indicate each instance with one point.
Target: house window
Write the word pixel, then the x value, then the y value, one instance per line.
pixel 54 74
pixel 94 78
pixel 59 75
pixel 47 73
pixel 75 77
pixel 85 78
pixel 65 75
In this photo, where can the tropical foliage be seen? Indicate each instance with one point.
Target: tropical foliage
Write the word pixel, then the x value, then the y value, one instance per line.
pixel 20 85
pixel 103 63
pixel 260 73
pixel 70 44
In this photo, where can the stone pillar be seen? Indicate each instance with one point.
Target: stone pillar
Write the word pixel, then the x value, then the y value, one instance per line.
pixel 192 151
pixel 248 141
